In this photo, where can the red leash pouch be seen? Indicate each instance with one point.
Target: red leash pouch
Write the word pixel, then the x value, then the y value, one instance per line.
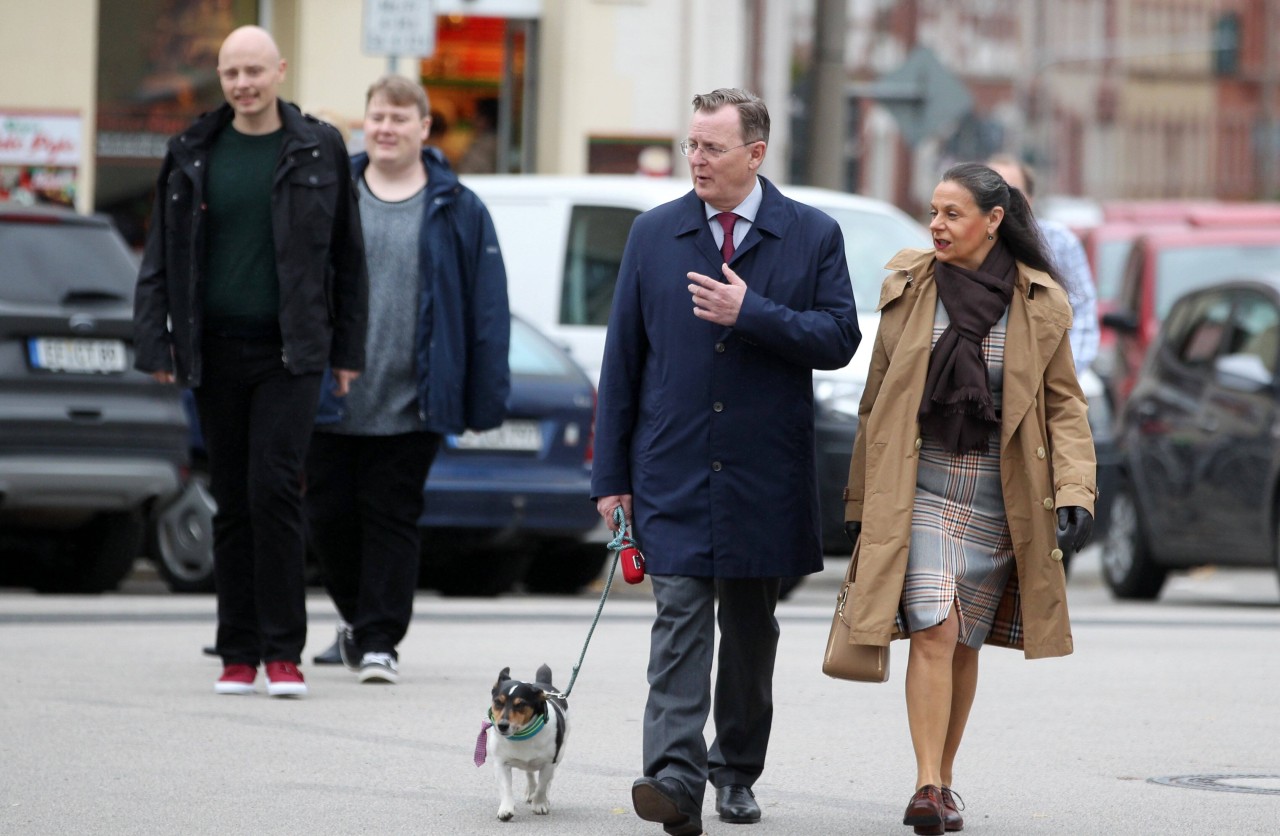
pixel 632 564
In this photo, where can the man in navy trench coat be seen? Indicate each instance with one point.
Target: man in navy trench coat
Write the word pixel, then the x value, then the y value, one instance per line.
pixel 705 438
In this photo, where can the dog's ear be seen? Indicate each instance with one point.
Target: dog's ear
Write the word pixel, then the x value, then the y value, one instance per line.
pixel 504 675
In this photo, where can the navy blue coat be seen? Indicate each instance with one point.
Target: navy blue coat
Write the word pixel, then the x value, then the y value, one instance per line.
pixel 711 428
pixel 464 322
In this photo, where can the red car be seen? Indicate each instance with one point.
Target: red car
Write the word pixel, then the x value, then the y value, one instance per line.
pixel 1163 265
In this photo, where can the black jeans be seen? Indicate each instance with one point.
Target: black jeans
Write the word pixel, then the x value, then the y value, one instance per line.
pixel 256 417
pixel 364 499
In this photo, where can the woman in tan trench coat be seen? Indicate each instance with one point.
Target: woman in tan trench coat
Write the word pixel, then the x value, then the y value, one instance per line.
pixel 972 393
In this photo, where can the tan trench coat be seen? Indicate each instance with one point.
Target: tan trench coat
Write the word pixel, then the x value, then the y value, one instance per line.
pixel 1046 455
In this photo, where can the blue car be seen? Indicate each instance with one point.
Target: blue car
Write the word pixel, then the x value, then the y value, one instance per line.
pixel 504 506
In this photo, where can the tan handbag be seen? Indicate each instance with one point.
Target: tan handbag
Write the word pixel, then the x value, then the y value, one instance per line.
pixel 844 658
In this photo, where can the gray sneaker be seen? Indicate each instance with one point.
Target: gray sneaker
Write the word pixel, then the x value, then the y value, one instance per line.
pixel 379 669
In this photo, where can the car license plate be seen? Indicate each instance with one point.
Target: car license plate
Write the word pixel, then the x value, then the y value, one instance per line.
pixel 79 356
pixel 521 436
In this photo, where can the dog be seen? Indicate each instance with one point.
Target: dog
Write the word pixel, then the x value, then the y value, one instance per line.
pixel 527 728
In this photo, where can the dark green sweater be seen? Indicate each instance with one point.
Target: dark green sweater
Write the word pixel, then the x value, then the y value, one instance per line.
pixel 241 290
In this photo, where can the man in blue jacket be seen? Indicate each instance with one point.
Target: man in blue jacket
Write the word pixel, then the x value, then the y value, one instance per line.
pixel 436 363
pixel 726 301
pixel 253 280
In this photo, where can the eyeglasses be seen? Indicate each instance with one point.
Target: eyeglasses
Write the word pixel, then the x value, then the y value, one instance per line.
pixel 688 147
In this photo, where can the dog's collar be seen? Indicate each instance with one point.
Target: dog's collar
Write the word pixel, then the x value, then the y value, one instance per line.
pixel 528 731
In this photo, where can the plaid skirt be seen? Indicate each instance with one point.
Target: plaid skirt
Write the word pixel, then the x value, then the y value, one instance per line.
pixel 961 551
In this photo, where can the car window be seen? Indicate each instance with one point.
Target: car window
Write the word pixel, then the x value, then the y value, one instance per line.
pixel 1180 270
pixel 1255 326
pixel 533 355
pixel 598 234
pixel 870 240
pixel 50 263
pixel 597 237
pixel 1201 330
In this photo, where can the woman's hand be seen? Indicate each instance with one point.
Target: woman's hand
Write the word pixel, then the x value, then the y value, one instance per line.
pixel 852 529
pixel 1074 527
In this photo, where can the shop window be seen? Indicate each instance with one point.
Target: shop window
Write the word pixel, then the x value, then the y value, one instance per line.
pixel 477 84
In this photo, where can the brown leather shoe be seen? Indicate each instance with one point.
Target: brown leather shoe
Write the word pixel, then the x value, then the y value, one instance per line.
pixel 925 811
pixel 951 818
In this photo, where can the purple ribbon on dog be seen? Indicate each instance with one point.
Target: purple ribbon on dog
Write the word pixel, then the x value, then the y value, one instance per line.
pixel 482 742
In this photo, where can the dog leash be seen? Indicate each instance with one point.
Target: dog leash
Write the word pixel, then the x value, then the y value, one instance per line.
pixel 621 540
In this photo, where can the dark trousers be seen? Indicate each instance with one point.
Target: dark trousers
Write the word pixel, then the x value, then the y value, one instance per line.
pixel 256 417
pixel 680 659
pixel 364 499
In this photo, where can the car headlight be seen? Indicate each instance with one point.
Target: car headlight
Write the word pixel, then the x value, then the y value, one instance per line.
pixel 838 398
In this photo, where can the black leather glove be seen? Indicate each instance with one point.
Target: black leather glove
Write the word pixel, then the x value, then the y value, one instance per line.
pixel 852 528
pixel 1074 527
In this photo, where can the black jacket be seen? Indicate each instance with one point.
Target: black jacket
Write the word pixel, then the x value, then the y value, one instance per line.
pixel 315 224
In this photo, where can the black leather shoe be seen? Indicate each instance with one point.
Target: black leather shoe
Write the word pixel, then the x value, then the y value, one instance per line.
pixel 736 804
pixel 667 802
pixel 331 656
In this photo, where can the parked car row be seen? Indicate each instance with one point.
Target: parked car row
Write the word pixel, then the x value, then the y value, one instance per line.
pixel 1189 298
pixel 502 507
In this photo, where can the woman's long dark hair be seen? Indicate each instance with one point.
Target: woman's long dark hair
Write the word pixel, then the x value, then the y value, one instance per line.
pixel 1019 230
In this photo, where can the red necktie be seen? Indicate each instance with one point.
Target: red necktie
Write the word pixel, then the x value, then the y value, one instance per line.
pixel 727 220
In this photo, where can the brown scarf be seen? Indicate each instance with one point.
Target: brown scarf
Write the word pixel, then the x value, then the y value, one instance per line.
pixel 957 409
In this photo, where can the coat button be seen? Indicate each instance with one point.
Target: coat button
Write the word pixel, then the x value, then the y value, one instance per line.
pixel 312 178
pixel 719 348
pixel 1048 504
pixel 1056 554
pixel 315 153
pixel 918 443
pixel 1039 452
pixel 715 466
pixel 718 407
pixel 196 163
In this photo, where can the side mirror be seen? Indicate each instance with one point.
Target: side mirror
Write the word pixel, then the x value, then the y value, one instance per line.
pixel 1124 322
pixel 1242 372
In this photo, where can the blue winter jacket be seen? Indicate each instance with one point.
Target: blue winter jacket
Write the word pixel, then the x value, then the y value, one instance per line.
pixel 463 334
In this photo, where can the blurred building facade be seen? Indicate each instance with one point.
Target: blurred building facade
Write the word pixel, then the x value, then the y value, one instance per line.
pixel 1107 98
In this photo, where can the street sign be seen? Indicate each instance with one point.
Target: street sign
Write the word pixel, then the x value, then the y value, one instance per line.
pixel 923 95
pixel 400 27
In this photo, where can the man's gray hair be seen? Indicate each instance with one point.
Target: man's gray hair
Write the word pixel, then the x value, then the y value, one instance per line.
pixel 752 113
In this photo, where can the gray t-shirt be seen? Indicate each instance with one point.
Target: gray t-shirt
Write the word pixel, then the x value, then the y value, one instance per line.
pixel 384 399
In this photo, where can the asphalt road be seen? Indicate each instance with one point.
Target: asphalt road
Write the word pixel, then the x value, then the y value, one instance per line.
pixel 109 723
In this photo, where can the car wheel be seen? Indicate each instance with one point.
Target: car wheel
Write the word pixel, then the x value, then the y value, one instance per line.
pixel 95 557
pixel 1127 566
pixel 182 539
pixel 565 567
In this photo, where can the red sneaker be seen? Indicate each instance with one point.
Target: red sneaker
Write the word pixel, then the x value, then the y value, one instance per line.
pixel 285 680
pixel 236 679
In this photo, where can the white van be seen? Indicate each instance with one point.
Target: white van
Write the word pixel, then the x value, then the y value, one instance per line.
pixel 562 240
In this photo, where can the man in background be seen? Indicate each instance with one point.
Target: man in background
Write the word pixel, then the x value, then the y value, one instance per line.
pixel 439 328
pixel 1069 256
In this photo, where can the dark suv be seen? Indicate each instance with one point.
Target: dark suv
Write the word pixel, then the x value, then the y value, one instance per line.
pixel 89 448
